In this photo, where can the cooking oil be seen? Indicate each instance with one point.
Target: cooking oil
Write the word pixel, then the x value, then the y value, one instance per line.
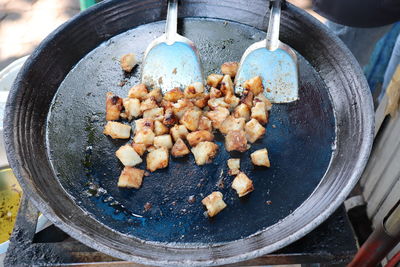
pixel 10 195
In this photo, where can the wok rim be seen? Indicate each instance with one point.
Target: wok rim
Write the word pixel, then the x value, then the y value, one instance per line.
pixel 39 202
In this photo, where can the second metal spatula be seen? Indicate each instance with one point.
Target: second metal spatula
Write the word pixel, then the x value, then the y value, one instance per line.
pixel 171 60
pixel 274 61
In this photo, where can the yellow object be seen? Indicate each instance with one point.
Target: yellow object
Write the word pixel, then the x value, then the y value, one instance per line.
pixel 10 195
pixel 393 93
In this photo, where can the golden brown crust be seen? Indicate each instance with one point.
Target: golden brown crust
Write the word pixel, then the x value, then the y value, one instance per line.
pixel 232 124
pixel 160 128
pixel 157 159
pixel 236 140
pixel 191 119
pixel 242 111
pixel 204 152
pixel 234 166
pixel 255 85
pixel 215 93
pixel 214 80
pixel 131 178
pixel 227 85
pixel 164 140
pixel 217 116
pixel 179 131
pixel 194 90
pixel 179 149
pixel 113 107
pixel 242 184
pixel 145 136
pixel 214 203
pixel 247 98
pixel 259 113
pixel 139 148
pixel 117 130
pixel 143 124
pixel 205 124
pixel 138 91
pixel 254 130
pixel 260 158
pixel 230 68
pixel 174 95
pixel 199 136
pixel 128 61
pixel 128 156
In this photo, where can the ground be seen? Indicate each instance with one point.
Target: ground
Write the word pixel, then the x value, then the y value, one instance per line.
pixel 25 23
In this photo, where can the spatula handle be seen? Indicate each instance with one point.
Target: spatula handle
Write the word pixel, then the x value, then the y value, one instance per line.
pixel 272 40
pixel 172 21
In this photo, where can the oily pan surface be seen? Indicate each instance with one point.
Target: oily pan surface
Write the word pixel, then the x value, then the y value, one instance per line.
pixel 299 139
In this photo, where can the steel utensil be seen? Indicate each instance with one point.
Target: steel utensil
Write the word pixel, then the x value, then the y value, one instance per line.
pixel 171 60
pixel 274 61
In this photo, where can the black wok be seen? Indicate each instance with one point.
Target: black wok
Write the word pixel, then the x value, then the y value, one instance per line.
pixel 55 114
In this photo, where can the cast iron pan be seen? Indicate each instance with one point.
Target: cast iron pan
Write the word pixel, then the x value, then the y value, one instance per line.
pixel 318 145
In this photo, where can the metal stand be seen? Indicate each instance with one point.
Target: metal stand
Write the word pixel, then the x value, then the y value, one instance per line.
pixel 332 243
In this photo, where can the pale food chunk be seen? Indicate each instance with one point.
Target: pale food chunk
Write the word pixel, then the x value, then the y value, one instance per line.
pixel 214 203
pixel 131 178
pixel 128 156
pixel 117 130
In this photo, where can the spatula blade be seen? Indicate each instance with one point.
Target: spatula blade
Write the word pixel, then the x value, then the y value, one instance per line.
pixel 278 70
pixel 168 66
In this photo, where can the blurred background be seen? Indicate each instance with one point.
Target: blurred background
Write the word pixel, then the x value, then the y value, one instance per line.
pixel 25 23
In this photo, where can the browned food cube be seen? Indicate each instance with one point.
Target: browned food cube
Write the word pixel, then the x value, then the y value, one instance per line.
pixel 191 119
pixel 128 156
pixel 166 104
pixel 242 184
pixel 214 80
pixel 149 103
pixel 174 95
pixel 232 101
pixel 261 98
pixel 247 98
pixel 215 93
pixel 117 130
pixel 139 148
pixel 138 91
pixel 258 112
pixel 213 103
pixel 232 124
pixel 128 61
pixel 254 130
pixel 236 140
pixel 194 90
pixel 199 136
pixel 157 159
pixel 214 203
pixel 145 136
pixel 155 94
pixel 260 158
pixel 179 149
pixel 234 166
pixel 179 131
pixel 131 178
pixel 201 101
pixel 204 152
pixel 205 124
pixel 154 113
pixel 160 128
pixel 113 107
pixel 217 116
pixel 181 107
pixel 255 85
pixel 170 119
pixel 132 108
pixel 230 68
pixel 143 124
pixel 242 111
pixel 163 141
pixel 227 85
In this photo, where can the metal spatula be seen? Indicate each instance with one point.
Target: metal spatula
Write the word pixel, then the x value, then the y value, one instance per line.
pixel 274 61
pixel 171 60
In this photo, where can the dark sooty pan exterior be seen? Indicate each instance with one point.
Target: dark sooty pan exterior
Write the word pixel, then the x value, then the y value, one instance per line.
pixel 318 145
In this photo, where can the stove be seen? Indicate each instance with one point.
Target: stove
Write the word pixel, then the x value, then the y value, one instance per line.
pixel 332 243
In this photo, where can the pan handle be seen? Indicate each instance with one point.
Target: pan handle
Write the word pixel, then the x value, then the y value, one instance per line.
pixel 272 40
pixel 172 21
